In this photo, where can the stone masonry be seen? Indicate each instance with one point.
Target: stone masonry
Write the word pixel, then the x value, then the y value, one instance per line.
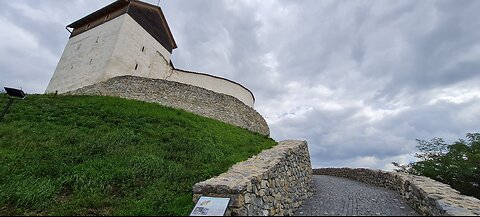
pixel 190 98
pixel 425 195
pixel 337 196
pixel 275 182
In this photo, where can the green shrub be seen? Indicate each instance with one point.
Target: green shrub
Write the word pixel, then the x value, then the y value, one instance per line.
pixel 456 164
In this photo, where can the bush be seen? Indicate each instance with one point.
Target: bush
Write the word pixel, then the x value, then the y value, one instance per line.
pixel 456 164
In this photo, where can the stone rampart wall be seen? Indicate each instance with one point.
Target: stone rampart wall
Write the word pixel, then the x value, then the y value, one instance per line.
pixel 425 195
pixel 190 98
pixel 275 182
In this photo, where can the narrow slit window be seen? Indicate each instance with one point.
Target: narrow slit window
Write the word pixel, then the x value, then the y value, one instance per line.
pixel 98 37
pixel 91 60
pixel 143 49
pixel 136 66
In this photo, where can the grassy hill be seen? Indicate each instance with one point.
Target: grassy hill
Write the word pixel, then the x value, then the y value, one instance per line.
pixel 84 155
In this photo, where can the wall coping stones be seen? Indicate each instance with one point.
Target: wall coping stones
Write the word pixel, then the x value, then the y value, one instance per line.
pixel 275 182
pixel 425 195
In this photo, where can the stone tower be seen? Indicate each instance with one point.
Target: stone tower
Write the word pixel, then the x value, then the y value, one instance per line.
pixel 127 37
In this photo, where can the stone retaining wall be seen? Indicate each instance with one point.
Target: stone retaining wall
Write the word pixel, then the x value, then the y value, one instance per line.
pixel 190 98
pixel 275 182
pixel 425 195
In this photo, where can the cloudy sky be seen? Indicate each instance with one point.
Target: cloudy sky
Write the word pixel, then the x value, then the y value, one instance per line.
pixel 359 80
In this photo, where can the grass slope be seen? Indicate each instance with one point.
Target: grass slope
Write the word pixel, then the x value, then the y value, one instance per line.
pixel 83 155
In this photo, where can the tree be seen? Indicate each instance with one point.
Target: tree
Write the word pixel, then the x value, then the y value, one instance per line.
pixel 456 164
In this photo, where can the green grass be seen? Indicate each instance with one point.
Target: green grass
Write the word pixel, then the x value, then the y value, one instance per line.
pixel 84 155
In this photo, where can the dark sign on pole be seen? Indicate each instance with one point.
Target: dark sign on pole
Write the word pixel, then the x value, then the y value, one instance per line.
pixel 15 92
pixel 12 94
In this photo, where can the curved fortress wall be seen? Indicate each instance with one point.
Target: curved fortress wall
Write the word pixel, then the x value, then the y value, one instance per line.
pixel 213 83
pixel 122 47
pixel 194 99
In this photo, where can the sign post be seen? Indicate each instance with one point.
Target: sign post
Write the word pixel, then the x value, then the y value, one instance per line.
pixel 5 110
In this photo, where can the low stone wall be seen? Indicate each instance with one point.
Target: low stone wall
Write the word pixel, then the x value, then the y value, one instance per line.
pixel 190 98
pixel 275 182
pixel 425 195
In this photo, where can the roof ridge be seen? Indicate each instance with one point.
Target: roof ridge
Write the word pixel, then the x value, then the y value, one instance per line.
pixel 159 29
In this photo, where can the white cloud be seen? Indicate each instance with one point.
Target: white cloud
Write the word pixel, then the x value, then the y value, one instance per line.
pixel 456 95
pixel 17 38
pixel 18 50
pixel 360 80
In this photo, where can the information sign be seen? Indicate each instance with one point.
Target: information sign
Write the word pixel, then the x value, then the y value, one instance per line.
pixel 210 206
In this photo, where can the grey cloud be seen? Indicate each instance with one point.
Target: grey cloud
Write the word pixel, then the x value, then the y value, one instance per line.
pixel 341 136
pixel 29 61
pixel 357 79
pixel 337 138
pixel 369 53
pixel 436 50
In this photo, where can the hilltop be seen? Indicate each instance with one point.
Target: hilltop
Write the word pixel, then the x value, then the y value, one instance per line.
pixel 94 155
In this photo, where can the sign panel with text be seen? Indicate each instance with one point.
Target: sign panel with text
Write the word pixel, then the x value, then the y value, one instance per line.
pixel 210 206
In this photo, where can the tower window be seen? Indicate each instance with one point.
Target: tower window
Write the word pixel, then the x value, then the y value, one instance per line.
pixel 143 49
pixel 136 66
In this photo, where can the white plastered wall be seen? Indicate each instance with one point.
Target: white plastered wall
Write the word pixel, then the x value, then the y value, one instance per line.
pixel 122 47
pixel 214 84
pixel 137 53
pixel 85 58
pixel 153 62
